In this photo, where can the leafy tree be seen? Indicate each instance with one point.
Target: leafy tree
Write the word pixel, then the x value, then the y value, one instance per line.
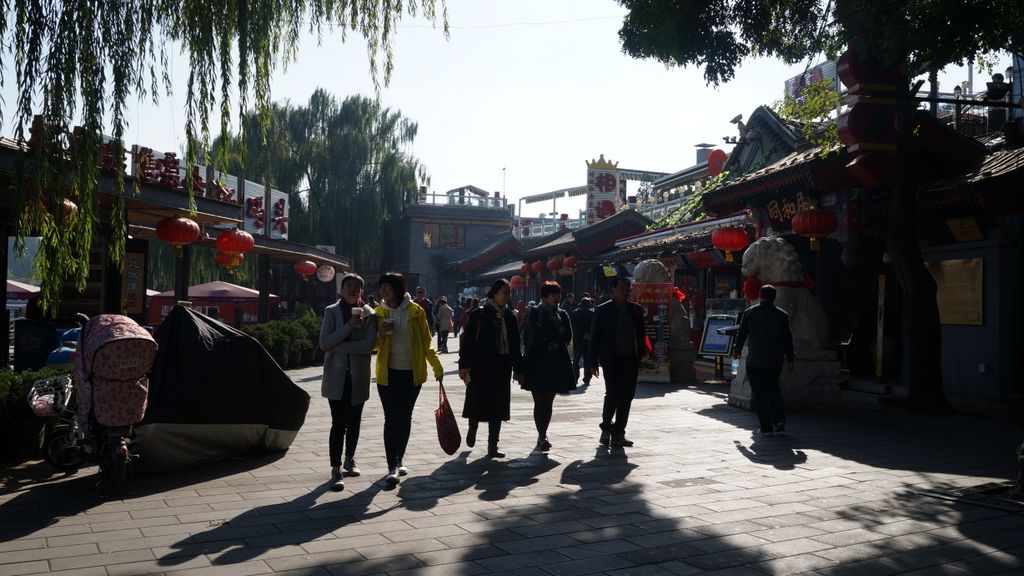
pixel 344 166
pixel 83 59
pixel 917 35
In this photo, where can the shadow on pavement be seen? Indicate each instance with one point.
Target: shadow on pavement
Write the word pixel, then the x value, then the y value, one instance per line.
pixel 775 453
pixel 37 506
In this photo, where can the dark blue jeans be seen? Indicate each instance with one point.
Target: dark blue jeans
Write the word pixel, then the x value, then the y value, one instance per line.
pixel 398 399
pixel 767 396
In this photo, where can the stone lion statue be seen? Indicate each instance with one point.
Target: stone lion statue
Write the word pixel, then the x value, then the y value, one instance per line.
pixel 774 261
pixel 651 272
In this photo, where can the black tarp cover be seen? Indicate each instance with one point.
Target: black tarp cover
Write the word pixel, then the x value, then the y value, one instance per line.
pixel 214 393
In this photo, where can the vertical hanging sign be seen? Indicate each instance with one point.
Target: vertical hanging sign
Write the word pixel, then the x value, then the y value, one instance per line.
pixel 603 189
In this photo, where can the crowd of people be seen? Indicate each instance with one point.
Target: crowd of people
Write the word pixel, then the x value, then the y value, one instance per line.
pixel 500 343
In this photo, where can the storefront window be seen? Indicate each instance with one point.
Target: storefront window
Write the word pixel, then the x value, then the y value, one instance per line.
pixel 446 236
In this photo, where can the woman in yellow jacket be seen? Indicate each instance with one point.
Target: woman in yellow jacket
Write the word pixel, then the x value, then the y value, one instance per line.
pixel 403 351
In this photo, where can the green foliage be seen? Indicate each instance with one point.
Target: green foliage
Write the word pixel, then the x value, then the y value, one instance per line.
pixel 815 112
pixel 344 166
pixel 916 34
pixel 80 61
pixel 286 339
pixel 202 268
pixel 692 209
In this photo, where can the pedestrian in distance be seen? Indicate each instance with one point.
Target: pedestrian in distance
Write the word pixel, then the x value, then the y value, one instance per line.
pixel 445 324
pixel 582 321
pixel 427 305
pixel 489 357
pixel 347 337
pixel 548 364
pixel 618 343
pixel 460 305
pixel 765 328
pixel 569 304
pixel 403 352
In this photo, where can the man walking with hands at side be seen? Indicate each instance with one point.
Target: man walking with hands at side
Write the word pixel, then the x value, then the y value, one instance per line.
pixel 771 341
pixel 617 342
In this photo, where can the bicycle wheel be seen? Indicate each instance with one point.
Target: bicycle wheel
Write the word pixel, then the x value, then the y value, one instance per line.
pixel 60 449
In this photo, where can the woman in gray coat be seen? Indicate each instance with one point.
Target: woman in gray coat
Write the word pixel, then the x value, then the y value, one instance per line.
pixel 347 338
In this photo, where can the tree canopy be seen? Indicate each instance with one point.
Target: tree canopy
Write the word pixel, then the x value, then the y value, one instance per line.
pixel 345 167
pixel 81 60
pixel 718 35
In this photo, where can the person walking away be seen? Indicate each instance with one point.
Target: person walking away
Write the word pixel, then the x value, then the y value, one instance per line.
pixel 488 357
pixel 427 305
pixel 617 342
pixel 766 328
pixel 347 339
pixel 548 364
pixel 457 316
pixel 403 352
pixel 582 320
pixel 444 324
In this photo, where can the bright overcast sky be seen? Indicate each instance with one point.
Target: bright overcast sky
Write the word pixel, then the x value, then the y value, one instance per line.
pixel 519 97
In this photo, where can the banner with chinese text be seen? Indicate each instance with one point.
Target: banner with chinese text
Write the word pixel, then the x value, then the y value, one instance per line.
pixel 603 189
pixel 655 299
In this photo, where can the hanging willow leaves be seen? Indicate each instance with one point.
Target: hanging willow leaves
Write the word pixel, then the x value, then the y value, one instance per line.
pixel 81 60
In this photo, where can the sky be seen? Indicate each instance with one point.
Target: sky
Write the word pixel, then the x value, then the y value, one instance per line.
pixel 519 97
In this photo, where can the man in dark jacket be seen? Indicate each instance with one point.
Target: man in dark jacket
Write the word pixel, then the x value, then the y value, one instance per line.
pixel 771 341
pixel 582 322
pixel 427 305
pixel 617 342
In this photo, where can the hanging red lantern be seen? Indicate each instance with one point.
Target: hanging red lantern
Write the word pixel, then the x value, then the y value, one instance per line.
pixel 537 266
pixel 177 231
pixel 235 241
pixel 570 262
pixel 524 269
pixel 228 259
pixel 305 268
pixel 516 282
pixel 729 240
pixel 814 223
pixel 554 264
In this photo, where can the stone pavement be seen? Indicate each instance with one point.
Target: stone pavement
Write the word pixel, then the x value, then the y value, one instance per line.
pixel 843 493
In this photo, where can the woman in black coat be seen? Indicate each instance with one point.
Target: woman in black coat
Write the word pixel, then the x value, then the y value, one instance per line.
pixel 549 368
pixel 489 354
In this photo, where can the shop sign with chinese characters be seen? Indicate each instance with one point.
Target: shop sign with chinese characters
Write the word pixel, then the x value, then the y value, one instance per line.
pixel 603 189
pixel 133 285
pixel 783 207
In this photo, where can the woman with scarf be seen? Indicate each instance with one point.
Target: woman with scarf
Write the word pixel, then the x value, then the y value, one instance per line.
pixel 347 337
pixel 403 352
pixel 548 363
pixel 488 357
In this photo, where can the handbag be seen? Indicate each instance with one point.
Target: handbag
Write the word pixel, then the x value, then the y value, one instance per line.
pixel 447 429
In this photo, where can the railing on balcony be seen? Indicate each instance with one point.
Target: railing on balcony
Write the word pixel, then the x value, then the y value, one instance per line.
pixel 468 200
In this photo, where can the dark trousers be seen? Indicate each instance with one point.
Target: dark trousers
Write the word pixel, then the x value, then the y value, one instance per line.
pixel 345 421
pixel 579 355
pixel 442 340
pixel 767 396
pixel 398 399
pixel 619 389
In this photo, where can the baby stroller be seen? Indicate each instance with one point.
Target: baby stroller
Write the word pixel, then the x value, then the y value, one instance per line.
pixel 111 374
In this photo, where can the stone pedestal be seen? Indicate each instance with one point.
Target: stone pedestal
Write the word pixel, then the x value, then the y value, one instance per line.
pixel 681 360
pixel 813 382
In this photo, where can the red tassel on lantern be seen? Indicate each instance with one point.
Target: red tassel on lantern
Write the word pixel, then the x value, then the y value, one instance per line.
pixel 752 288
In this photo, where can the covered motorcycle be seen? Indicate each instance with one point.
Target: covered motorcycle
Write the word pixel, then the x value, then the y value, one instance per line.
pixel 215 393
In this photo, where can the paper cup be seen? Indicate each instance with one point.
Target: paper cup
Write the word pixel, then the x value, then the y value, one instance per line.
pixel 357 311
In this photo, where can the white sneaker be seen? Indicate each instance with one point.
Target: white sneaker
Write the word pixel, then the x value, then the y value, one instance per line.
pixel 392 478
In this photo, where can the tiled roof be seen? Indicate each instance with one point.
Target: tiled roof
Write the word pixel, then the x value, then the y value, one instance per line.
pixel 684 239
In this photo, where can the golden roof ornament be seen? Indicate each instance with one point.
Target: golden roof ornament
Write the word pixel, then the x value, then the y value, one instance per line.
pixel 602 164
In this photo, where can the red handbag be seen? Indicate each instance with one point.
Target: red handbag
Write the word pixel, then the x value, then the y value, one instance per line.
pixel 447 429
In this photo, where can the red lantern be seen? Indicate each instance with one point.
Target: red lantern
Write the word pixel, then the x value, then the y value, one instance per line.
pixel 305 268
pixel 730 240
pixel 178 232
pixel 235 241
pixel 814 223
pixel 524 269
pixel 227 259
pixel 516 282
pixel 554 265
pixel 570 262
pixel 537 266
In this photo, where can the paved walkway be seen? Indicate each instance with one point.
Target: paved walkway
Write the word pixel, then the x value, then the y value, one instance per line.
pixel 858 493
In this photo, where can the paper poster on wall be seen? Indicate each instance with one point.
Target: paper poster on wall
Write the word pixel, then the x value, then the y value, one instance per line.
pixel 655 299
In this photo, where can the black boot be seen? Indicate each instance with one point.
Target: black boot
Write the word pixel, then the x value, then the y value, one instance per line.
pixel 471 433
pixel 493 433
